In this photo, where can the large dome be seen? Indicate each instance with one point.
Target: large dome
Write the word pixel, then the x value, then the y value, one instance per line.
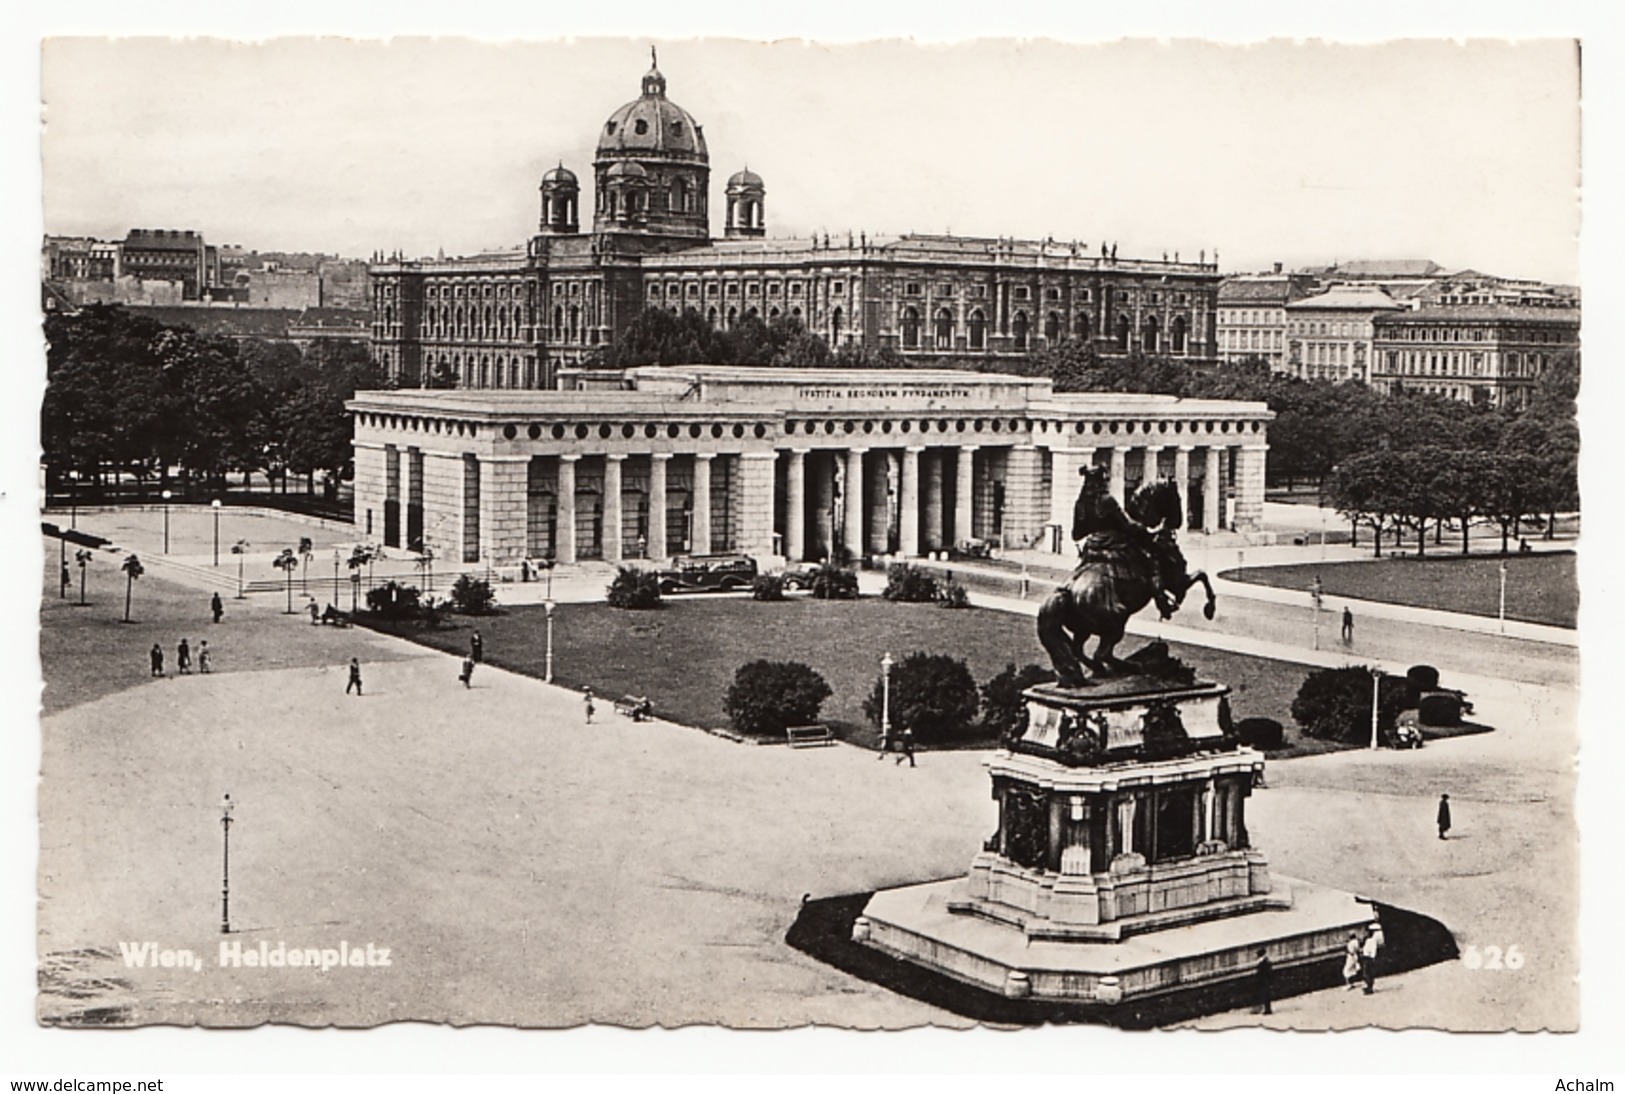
pixel 652 123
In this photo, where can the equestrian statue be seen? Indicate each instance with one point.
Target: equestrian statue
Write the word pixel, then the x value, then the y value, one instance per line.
pixel 1126 561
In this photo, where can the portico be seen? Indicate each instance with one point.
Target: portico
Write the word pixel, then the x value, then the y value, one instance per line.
pixel 805 464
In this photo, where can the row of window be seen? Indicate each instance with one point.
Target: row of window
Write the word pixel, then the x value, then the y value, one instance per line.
pixel 502 372
pixel 1323 328
pixel 1412 333
pixel 1249 339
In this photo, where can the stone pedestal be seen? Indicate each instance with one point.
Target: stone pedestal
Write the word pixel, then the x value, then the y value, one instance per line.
pixel 1122 855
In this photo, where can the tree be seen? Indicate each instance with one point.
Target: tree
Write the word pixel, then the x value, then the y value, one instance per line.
pixel 1359 488
pixel 1513 485
pixel 1335 704
pixel 359 556
pixel 132 569
pixel 931 693
pixel 1004 710
pixel 305 549
pixel 472 596
pixel 287 562
pixel 766 697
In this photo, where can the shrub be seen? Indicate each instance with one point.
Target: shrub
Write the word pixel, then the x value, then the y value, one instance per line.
pixel 1425 677
pixel 1440 708
pixel 951 594
pixel 831 582
pixel 767 587
pixel 932 694
pixel 767 696
pixel 473 596
pixel 634 589
pixel 1004 711
pixel 1335 704
pixel 1265 733
pixel 909 584
pixel 392 600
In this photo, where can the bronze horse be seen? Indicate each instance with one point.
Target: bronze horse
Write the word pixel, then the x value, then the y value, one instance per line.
pixel 1127 561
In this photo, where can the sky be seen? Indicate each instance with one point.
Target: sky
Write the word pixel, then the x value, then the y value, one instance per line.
pixel 1463 152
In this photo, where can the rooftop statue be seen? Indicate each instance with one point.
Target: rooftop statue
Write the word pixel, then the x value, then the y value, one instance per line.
pixel 1126 561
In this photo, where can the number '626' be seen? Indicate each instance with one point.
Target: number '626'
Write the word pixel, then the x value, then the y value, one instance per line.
pixel 1493 958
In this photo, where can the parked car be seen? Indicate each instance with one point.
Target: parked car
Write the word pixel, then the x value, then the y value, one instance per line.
pixel 708 573
pixel 800 575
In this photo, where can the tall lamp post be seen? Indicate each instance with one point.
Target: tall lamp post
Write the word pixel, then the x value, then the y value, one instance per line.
pixel 886 663
pixel 1316 597
pixel 215 505
pixel 240 549
pixel 337 558
pixel 1376 680
pixel 225 866
pixel 1501 613
pixel 167 495
pixel 547 660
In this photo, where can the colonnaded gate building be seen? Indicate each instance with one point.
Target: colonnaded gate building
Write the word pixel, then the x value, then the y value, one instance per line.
pixel 500 446
pixel 657 461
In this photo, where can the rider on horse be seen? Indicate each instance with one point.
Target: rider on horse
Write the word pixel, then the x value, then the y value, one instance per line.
pixel 1105 534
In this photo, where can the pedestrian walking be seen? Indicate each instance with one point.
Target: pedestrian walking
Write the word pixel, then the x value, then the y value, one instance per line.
pixel 67 579
pixel 476 647
pixel 468 672
pixel 1351 961
pixel 355 677
pixel 1263 977
pixel 1444 815
pixel 315 616
pixel 1368 956
pixel 906 743
pixel 216 608
pixel 183 658
pixel 885 746
pixel 1348 626
pixel 157 656
pixel 588 697
pixel 203 656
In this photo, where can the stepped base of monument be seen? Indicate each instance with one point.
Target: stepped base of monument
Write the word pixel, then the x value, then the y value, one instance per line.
pixel 919 924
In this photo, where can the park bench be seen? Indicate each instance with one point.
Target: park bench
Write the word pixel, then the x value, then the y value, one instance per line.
pixel 808 736
pixel 335 617
pixel 636 707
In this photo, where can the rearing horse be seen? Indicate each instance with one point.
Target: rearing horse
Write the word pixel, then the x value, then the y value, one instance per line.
pixel 1127 561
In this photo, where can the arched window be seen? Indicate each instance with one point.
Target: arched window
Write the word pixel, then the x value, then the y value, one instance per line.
pixel 558 321
pixel 575 322
pixel 1052 327
pixel 1176 334
pixel 772 314
pixel 1080 327
pixel 733 318
pixel 1018 329
pixel 445 320
pixel 978 330
pixel 911 328
pixel 945 329
pixel 711 316
pixel 485 365
pixel 1122 333
pixel 1148 335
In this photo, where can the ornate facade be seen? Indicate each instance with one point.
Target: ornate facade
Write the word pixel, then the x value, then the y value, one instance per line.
pixel 511 320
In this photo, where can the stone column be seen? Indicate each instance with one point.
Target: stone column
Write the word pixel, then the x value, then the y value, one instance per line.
pixel 612 549
pixel 825 523
pixel 1249 486
pixel 965 494
pixel 933 500
pixel 1212 491
pixel 1182 479
pixel 503 507
pixel 795 505
pixel 753 504
pixel 878 518
pixel 1024 510
pixel 700 537
pixel 908 503
pixel 852 523
pixel 1119 477
pixel 564 550
pixel 657 504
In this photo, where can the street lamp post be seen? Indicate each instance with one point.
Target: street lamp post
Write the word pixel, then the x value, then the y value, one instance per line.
pixel 547 660
pixel 1502 611
pixel 167 495
pixel 225 866
pixel 215 505
pixel 82 557
pixel 886 663
pixel 337 558
pixel 1376 680
pixel 1316 596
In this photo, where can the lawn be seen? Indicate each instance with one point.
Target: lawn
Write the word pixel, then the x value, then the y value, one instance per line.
pixel 684 656
pixel 1541 588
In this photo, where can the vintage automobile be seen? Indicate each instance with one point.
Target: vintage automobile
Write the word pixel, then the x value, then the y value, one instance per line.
pixel 799 575
pixel 708 573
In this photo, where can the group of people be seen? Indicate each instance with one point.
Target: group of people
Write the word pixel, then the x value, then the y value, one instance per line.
pixel 1360 956
pixel 183 658
pixel 902 743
